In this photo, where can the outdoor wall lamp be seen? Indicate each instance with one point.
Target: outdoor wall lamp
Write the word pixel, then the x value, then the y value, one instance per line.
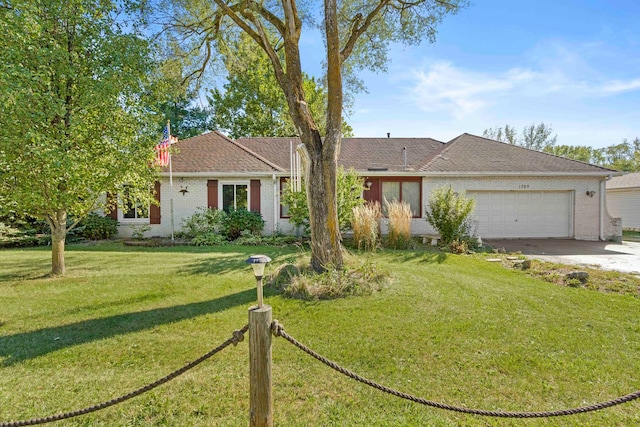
pixel 591 193
pixel 258 262
pixel 367 185
pixel 184 189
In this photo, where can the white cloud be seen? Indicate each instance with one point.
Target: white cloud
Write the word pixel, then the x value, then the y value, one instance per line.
pixel 445 87
pixel 620 86
pixel 461 93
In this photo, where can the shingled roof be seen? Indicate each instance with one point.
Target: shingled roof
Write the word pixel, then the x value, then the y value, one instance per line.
pixel 467 154
pixel 473 154
pixel 630 180
pixel 361 154
pixel 213 152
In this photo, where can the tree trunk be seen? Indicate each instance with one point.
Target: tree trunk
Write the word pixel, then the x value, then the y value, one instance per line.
pixel 321 179
pixel 58 225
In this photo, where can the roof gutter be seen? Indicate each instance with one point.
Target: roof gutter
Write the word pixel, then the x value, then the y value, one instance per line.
pixel 494 174
pixel 223 174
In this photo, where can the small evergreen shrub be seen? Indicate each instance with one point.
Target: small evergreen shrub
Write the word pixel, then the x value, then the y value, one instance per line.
pixel 203 221
pixel 97 227
pixel 241 220
pixel 366 229
pixel 448 212
pixel 209 239
pixel 399 214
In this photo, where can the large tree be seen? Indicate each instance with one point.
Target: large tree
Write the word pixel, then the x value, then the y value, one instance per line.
pixel 251 102
pixel 534 137
pixel 357 35
pixel 73 121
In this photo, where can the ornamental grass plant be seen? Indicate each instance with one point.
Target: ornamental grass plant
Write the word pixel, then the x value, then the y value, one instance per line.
pixel 399 217
pixel 366 226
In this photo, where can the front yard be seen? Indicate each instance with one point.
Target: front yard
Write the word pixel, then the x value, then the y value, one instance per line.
pixel 449 328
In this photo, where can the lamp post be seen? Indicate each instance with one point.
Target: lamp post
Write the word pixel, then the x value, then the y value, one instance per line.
pixel 258 262
pixel 260 394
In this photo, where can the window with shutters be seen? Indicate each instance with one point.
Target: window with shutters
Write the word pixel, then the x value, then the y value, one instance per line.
pixel 135 212
pixel 234 195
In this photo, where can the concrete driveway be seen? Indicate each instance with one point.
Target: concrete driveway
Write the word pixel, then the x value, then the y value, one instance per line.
pixel 624 257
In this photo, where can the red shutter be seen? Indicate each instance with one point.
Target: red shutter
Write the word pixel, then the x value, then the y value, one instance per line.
pixel 154 211
pixel 112 202
pixel 254 203
pixel 212 193
pixel 374 194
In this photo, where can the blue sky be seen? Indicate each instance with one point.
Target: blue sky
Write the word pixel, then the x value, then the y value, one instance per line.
pixel 574 65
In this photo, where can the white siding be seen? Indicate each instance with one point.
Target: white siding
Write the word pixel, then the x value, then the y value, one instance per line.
pixel 625 204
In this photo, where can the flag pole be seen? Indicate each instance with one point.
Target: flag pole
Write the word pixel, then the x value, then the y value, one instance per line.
pixel 170 177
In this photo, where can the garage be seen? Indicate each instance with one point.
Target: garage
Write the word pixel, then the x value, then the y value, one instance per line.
pixel 523 214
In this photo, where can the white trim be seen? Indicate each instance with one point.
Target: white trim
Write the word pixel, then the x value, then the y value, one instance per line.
pixel 233 182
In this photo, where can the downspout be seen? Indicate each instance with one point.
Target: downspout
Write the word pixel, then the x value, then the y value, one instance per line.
pixel 276 197
pixel 603 189
pixel 602 183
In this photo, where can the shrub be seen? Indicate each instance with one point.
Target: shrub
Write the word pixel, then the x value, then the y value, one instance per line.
pixel 448 213
pixel 399 214
pixel 349 189
pixel 97 227
pixel 203 221
pixel 209 239
pixel 366 229
pixel 241 220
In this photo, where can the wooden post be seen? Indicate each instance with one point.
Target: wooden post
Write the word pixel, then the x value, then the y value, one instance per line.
pixel 261 397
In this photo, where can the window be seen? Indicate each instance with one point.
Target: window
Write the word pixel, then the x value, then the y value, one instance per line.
pixel 235 195
pixel 135 212
pixel 284 209
pixel 402 191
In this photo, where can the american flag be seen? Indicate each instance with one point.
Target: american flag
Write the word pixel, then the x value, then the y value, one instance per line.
pixel 162 149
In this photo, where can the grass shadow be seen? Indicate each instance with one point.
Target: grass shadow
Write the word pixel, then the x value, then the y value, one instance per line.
pixel 28 345
pixel 235 263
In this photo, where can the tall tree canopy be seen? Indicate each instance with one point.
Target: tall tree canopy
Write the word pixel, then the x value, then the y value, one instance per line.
pixel 73 121
pixel 624 156
pixel 357 36
pixel 252 104
pixel 533 137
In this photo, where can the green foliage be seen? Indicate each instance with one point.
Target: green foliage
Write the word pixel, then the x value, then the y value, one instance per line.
pixel 203 221
pixel 533 137
pixel 209 226
pixel 97 227
pixel 624 156
pixel 349 190
pixel 251 103
pixel 75 121
pixel 448 212
pixel 242 220
pixel 209 239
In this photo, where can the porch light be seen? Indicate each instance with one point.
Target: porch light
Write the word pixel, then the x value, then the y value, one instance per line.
pixel 591 193
pixel 258 262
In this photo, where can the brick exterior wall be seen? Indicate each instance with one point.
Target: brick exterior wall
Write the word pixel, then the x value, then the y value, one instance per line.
pixel 586 210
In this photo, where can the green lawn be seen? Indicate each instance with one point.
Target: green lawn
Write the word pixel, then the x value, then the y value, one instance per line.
pixel 455 329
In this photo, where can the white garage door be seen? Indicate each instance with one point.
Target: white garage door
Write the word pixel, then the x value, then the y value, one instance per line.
pixel 522 214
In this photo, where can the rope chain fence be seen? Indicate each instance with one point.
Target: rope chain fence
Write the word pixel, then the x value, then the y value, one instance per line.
pixel 237 336
pixel 278 331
